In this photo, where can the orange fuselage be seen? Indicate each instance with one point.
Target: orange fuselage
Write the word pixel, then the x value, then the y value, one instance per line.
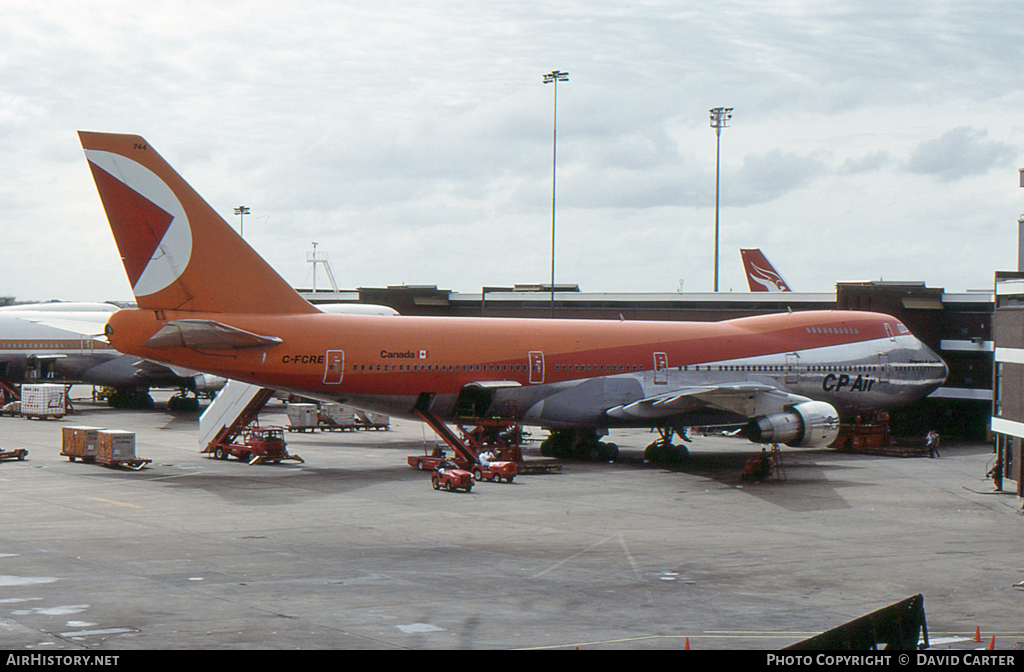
pixel 402 355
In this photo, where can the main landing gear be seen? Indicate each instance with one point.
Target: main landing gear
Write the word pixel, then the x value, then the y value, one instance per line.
pixel 182 401
pixel 128 397
pixel 578 444
pixel 663 451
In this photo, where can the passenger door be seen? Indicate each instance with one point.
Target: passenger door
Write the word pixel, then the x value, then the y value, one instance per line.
pixel 883 368
pixel 792 368
pixel 660 368
pixel 536 367
pixel 334 366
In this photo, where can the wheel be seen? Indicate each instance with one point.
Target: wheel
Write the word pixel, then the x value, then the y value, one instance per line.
pixel 655 453
pixel 219 453
pixel 666 453
pixel 433 482
pixel 477 474
pixel 495 477
pixel 509 479
pixel 419 464
pixel 469 488
pixel 558 445
pixel 449 486
pixel 611 452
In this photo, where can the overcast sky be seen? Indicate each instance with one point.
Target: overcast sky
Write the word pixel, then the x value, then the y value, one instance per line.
pixel 413 141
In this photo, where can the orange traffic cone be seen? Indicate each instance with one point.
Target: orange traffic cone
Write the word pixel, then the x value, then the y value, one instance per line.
pixel 991 645
pixel 686 645
pixel 977 633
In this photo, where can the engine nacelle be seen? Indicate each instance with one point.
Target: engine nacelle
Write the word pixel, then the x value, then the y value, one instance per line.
pixel 205 382
pixel 812 424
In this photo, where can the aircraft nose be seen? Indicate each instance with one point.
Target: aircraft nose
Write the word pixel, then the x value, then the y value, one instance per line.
pixel 940 375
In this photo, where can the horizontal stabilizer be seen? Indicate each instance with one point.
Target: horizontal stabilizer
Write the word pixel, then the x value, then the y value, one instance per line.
pixel 93 330
pixel 207 335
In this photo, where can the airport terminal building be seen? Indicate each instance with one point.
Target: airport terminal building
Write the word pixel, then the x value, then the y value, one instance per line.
pixel 1008 390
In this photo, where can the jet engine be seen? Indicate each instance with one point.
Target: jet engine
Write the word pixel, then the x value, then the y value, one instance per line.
pixel 811 424
pixel 204 382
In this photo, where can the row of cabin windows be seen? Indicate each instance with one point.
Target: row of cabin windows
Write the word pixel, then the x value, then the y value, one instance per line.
pixel 771 368
pixel 439 367
pixel 832 330
pixel 515 368
pixel 749 368
pixel 622 368
pixel 44 345
pixel 604 368
pixel 599 368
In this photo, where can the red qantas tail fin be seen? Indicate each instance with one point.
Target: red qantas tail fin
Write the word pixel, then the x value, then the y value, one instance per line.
pixel 179 254
pixel 761 275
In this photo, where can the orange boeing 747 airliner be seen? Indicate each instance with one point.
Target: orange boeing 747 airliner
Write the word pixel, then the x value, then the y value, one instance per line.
pixel 209 302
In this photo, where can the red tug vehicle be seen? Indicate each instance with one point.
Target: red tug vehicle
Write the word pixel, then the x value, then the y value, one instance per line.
pixel 496 471
pixel 448 476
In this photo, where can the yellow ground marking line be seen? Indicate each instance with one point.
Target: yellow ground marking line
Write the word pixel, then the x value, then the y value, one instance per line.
pixel 113 501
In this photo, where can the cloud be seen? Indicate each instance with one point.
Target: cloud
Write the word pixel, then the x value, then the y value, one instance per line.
pixel 865 164
pixel 770 175
pixel 958 153
pixel 414 142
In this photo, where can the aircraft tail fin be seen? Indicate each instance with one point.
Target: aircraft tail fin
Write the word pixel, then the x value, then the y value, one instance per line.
pixel 761 275
pixel 179 254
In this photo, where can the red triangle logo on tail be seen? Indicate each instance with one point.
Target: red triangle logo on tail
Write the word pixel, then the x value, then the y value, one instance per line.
pixel 126 209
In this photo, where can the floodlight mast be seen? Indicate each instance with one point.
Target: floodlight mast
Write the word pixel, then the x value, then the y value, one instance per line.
pixel 554 77
pixel 241 211
pixel 720 117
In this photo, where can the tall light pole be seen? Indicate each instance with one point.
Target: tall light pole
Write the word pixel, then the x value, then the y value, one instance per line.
pixel 554 77
pixel 720 117
pixel 241 211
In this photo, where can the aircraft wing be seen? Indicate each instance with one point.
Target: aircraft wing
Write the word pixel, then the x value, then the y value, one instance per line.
pixel 207 335
pixel 746 398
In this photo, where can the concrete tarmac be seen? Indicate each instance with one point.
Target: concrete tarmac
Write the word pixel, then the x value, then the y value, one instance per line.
pixel 353 549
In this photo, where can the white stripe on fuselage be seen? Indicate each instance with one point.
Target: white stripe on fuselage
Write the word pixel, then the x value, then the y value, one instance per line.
pixel 849 375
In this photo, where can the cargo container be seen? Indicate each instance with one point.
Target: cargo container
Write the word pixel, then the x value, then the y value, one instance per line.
pixel 115 445
pixel 336 416
pixel 302 417
pixel 110 447
pixel 79 442
pixel 369 420
pixel 43 401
